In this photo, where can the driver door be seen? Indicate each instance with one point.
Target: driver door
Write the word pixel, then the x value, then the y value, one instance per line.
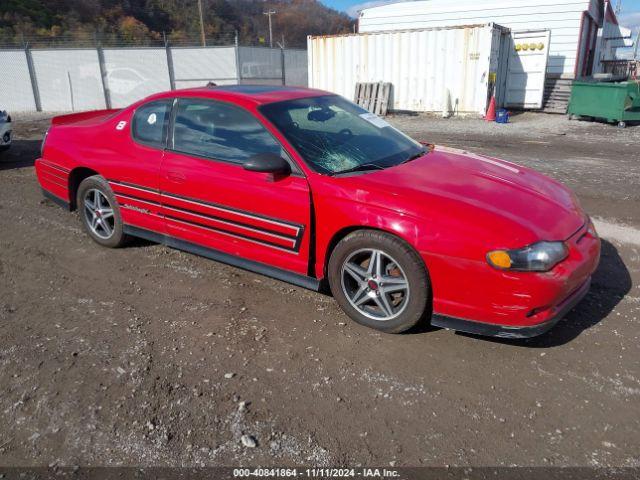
pixel 209 199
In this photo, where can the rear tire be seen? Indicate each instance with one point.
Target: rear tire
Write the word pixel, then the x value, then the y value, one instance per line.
pixel 100 213
pixel 379 281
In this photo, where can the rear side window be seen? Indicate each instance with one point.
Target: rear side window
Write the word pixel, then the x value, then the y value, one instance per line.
pixel 220 131
pixel 149 125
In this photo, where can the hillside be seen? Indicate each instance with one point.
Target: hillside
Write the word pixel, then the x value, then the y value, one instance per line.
pixel 146 22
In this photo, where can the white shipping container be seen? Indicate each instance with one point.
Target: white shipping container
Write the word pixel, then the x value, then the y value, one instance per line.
pixel 425 67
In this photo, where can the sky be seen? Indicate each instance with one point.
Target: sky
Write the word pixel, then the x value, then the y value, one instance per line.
pixel 630 16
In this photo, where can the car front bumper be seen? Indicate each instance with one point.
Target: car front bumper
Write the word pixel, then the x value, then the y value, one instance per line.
pixel 487 301
pixel 510 331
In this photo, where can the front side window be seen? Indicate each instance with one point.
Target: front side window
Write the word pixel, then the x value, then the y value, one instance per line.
pixel 336 136
pixel 150 121
pixel 220 131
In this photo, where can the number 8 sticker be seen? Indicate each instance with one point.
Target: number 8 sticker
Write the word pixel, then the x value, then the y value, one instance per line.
pixel 121 125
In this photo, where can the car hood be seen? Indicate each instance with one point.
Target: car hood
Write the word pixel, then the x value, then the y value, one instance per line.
pixel 520 196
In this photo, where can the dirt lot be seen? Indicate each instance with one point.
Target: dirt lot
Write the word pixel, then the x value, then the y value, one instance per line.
pixel 149 356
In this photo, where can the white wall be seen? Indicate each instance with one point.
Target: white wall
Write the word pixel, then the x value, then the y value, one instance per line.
pixel 135 73
pixel 195 67
pixel 562 18
pixel 16 92
pixel 295 67
pixel 68 80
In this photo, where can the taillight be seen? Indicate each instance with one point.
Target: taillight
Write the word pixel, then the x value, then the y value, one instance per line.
pixel 44 140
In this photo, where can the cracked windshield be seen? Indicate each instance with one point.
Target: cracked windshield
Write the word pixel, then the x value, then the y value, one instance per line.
pixel 336 136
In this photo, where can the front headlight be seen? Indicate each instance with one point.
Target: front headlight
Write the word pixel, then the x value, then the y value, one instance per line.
pixel 538 257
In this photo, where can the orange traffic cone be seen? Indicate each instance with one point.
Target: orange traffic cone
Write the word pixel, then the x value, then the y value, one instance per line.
pixel 491 111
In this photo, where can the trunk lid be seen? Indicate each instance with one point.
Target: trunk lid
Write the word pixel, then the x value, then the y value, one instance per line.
pixel 84 118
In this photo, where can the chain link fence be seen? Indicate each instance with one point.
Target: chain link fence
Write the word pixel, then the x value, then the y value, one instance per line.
pixel 76 79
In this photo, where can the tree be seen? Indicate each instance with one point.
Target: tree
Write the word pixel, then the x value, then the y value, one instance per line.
pixel 145 21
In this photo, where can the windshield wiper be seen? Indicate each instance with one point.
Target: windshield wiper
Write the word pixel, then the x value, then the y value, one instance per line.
pixel 361 168
pixel 414 157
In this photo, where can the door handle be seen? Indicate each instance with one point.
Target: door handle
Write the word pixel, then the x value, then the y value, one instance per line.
pixel 176 177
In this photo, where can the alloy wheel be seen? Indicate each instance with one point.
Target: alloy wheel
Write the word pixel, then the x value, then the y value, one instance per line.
pixel 98 214
pixel 375 284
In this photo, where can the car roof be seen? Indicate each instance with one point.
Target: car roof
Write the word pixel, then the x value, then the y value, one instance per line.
pixel 256 94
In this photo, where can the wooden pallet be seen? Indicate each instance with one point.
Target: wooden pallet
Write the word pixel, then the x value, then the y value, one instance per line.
pixel 373 96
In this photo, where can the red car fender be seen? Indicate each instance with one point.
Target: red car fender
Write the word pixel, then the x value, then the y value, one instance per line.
pixel 337 216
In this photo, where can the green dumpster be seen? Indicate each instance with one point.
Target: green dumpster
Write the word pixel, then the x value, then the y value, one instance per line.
pixel 614 102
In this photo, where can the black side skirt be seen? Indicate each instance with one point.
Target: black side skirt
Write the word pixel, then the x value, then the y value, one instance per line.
pixel 257 267
pixel 55 199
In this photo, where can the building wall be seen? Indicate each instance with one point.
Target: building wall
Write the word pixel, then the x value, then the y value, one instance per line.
pixel 564 19
pixel 612 40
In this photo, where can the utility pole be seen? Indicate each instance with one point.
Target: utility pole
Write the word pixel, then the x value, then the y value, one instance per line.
pixel 268 14
pixel 202 37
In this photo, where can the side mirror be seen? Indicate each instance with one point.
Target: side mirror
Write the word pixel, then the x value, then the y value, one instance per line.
pixel 267 163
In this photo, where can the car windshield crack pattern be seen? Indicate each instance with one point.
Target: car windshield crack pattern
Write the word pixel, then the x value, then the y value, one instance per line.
pixel 334 135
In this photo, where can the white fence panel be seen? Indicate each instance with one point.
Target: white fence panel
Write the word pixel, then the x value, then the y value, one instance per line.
pixel 134 73
pixel 260 65
pixel 16 93
pixel 68 80
pixel 194 67
pixel 295 68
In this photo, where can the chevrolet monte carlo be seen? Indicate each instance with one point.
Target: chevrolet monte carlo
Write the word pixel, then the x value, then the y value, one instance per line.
pixel 307 187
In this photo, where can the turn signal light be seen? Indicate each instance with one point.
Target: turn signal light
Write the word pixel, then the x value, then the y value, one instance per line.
pixel 499 258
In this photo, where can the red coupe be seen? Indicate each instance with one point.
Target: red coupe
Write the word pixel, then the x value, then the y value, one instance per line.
pixel 307 187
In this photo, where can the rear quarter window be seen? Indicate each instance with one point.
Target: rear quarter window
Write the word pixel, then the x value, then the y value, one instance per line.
pixel 150 122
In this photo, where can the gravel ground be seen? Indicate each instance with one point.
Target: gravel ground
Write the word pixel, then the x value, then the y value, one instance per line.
pixel 149 356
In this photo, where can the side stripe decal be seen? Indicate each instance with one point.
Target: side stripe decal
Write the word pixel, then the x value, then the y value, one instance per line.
pixel 54 166
pixel 230 234
pixel 54 179
pixel 289 242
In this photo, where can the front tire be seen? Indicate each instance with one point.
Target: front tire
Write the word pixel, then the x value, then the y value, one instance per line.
pixel 379 281
pixel 100 213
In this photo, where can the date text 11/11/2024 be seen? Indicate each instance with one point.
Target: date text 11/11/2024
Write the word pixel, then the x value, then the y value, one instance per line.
pixel 316 473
